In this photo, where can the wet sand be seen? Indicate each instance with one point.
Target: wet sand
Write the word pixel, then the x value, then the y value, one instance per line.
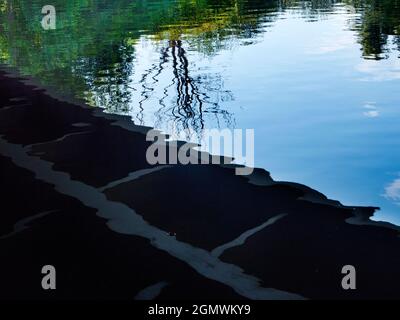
pixel 78 193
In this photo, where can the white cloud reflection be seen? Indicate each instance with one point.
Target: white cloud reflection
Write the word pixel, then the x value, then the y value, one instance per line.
pixel 371 110
pixel 371 113
pixel 380 70
pixel 331 42
pixel 392 191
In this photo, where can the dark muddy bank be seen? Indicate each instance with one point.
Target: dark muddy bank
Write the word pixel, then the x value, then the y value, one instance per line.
pixel 71 198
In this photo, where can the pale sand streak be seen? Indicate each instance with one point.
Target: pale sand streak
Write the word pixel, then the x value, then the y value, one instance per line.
pixel 151 292
pixel 217 252
pixel 60 139
pixel 124 220
pixel 23 224
pixel 132 176
pixel 8 107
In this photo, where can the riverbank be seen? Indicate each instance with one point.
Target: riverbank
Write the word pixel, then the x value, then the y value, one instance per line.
pixel 78 193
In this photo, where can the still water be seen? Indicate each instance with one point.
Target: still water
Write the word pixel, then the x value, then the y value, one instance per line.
pixel 318 81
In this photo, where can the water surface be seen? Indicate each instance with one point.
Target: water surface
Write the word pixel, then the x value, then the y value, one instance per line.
pixel 317 80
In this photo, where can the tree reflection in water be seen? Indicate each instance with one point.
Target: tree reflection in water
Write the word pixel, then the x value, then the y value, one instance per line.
pixel 193 96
